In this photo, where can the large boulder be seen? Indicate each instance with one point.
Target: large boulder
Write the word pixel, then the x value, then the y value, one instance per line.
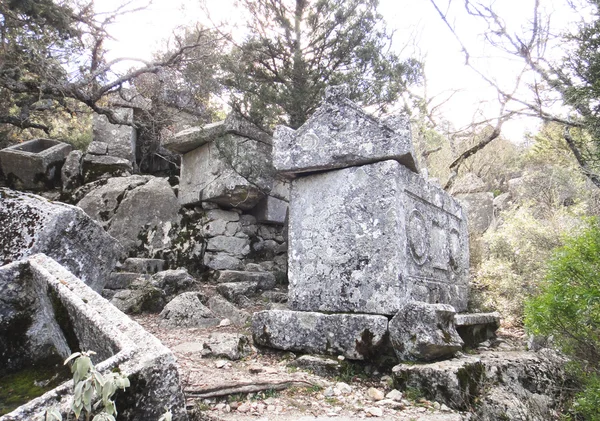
pixel 129 206
pixel 32 224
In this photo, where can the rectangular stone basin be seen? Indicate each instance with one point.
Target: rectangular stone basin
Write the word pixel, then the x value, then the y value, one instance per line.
pixel 34 164
pixel 45 310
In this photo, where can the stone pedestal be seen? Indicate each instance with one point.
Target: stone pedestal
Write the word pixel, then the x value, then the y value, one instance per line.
pixel 366 239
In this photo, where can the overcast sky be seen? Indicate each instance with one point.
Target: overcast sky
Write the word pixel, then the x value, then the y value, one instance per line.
pixel 141 33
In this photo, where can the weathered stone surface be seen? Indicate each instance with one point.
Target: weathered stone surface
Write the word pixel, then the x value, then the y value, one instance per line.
pixel 475 328
pixel 71 177
pixel 142 265
pixel 502 202
pixel 35 164
pixel 123 280
pixel 129 206
pixel 424 332
pixel 232 171
pixel 468 183
pixel 186 310
pixel 366 239
pixel 339 134
pixel 226 310
pixel 97 148
pixel 233 291
pixel 189 139
pixel 271 210
pixel 96 166
pixel 480 210
pixel 173 281
pixel 121 139
pixel 119 343
pixel 264 280
pixel 355 336
pixel 233 346
pixel 231 245
pixel 221 261
pixel 139 299
pixel 494 385
pixel 31 224
pixel 321 366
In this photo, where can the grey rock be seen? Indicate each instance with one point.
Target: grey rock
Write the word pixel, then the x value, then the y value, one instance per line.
pixel 321 366
pixel 220 214
pixel 130 206
pixel 275 296
pixel 144 298
pixel 97 148
pixel 71 177
pixel 502 202
pixel 123 280
pixel 499 382
pixel 96 166
pixel 475 328
pixel 232 171
pixel 226 310
pixel 366 239
pixel 142 265
pixel 468 183
pixel 35 164
pixel 32 225
pixel 186 310
pixel 231 245
pixel 480 210
pixel 119 343
pixel 264 280
pixel 424 332
pixel 237 124
pixel 355 336
pixel 271 210
pixel 173 281
pixel 222 261
pixel 121 139
pixel 233 346
pixel 233 291
pixel 189 139
pixel 339 134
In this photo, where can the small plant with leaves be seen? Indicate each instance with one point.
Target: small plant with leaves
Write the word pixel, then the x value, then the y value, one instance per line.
pixel 91 386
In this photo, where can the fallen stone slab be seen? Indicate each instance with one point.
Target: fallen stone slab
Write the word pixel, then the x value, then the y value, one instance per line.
pixel 355 336
pixel 72 316
pixel 424 332
pixel 138 299
pixel 35 164
pixel 494 385
pixel 340 134
pixel 186 310
pixel 366 239
pixel 475 328
pixel 233 291
pixel 123 280
pixel 173 281
pixel 319 365
pixel 71 177
pixel 97 148
pixel 32 224
pixel 95 166
pixel 233 346
pixel 264 280
pixel 143 265
pixel 226 310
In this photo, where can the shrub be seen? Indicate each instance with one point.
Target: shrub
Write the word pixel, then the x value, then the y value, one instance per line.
pixel 568 308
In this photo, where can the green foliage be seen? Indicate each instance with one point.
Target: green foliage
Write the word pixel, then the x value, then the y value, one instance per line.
pixel 297 48
pixel 568 309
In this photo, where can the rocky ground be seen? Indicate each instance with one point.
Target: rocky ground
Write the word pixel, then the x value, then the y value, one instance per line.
pixel 226 378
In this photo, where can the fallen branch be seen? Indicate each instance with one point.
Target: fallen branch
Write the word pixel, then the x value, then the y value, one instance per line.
pixel 229 389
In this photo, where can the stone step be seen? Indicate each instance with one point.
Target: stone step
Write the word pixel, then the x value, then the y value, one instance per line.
pixel 142 265
pixel 264 280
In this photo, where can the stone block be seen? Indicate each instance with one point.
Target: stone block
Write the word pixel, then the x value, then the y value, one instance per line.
pixel 366 239
pixel 233 291
pixel 123 280
pixel 95 166
pixel 221 261
pixel 480 210
pixel 355 336
pixel 424 332
pixel 121 139
pixel 271 210
pixel 475 328
pixel 226 310
pixel 186 310
pixel 340 134
pixel 97 148
pixel 264 280
pixel 71 175
pixel 31 224
pixel 142 265
pixel 232 171
pixel 71 316
pixel 35 164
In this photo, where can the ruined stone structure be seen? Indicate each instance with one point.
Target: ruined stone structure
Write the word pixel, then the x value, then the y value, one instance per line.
pixel 367 235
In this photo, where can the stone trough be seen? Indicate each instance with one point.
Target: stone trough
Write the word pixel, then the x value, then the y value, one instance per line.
pixel 34 165
pixel 46 310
